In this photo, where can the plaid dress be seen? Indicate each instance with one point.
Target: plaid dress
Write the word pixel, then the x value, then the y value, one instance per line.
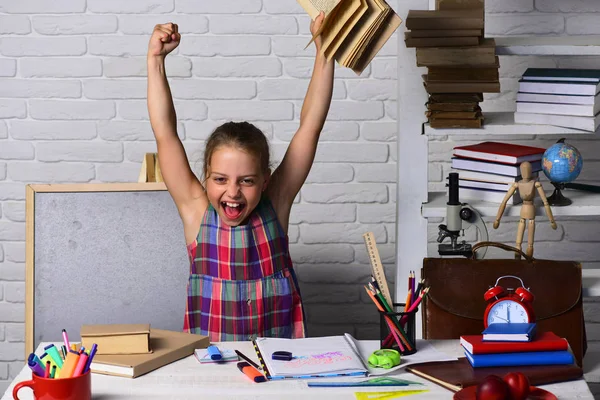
pixel 242 284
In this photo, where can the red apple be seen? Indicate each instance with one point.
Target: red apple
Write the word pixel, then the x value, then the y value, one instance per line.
pixel 492 388
pixel 518 385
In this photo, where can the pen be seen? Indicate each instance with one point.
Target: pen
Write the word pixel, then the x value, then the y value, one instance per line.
pixel 66 339
pixel 214 352
pixel 249 361
pixel 47 370
pixel 251 372
pixel 63 349
pixel 90 357
pixel 53 371
pixel 81 363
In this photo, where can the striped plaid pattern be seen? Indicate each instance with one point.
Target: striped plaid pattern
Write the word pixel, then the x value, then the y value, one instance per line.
pixel 242 284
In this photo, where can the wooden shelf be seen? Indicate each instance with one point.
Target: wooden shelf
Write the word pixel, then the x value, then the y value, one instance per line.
pixel 548 45
pixel 503 123
pixel 584 204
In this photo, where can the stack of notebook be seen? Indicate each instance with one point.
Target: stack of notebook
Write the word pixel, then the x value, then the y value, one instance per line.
pixel 514 344
pixel 461 64
pixel 487 170
pixel 560 97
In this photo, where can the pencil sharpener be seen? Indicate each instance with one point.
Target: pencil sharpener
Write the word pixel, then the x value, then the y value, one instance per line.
pixel 282 356
pixel 385 358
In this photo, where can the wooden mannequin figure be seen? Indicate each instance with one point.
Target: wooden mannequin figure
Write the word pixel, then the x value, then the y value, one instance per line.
pixel 527 188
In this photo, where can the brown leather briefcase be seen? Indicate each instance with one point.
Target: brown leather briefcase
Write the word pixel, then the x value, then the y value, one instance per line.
pixel 455 305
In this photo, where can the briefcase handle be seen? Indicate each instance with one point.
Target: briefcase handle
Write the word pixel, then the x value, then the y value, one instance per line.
pixel 502 246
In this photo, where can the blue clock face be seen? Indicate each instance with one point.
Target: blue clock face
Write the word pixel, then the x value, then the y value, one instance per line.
pixel 507 311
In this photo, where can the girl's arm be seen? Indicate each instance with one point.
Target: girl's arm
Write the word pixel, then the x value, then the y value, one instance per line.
pixel 289 177
pixel 184 187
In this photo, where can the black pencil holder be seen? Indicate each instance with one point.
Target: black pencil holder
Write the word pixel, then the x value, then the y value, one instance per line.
pixel 406 320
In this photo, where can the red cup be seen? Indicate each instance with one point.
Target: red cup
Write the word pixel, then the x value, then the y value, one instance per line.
pixel 77 388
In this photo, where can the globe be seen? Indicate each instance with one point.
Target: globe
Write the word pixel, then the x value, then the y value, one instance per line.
pixel 562 163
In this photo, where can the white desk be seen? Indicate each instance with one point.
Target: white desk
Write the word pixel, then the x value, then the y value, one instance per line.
pixel 188 379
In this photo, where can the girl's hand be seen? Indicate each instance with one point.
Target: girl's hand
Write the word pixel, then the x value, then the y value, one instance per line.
pixel 314 28
pixel 165 38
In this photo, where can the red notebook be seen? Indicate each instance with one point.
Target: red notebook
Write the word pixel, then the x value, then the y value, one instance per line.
pixel 544 341
pixel 505 153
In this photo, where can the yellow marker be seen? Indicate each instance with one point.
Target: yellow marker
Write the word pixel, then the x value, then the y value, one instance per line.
pixel 69 365
pixel 386 395
pixel 46 357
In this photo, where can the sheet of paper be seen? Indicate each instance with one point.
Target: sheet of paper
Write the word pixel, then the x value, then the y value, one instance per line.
pixel 425 353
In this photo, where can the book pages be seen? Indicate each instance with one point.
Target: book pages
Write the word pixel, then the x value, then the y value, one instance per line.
pixel 314 7
pixel 343 54
pixel 384 11
pixel 335 44
pixel 389 27
pixel 341 24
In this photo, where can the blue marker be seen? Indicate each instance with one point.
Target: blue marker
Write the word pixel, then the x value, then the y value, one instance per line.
pixel 90 358
pixel 214 353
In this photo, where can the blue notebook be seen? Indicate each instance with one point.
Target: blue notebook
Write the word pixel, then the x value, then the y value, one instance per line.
pixel 516 359
pixel 509 332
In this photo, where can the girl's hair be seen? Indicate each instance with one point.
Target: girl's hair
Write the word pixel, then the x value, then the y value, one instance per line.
pixel 241 135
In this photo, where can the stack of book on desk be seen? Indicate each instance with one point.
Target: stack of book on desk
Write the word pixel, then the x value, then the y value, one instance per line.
pixel 487 170
pixel 560 97
pixel 461 64
pixel 544 348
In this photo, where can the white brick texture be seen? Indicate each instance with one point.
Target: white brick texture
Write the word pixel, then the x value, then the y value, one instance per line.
pixel 73 110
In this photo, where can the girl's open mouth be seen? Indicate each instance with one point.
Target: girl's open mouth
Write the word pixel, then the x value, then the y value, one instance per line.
pixel 232 210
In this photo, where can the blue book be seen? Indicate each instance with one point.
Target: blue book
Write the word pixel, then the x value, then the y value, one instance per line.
pixel 563 357
pixel 509 332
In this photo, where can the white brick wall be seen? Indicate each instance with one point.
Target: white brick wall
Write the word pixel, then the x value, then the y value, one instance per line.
pixel 72 72
pixel 72 109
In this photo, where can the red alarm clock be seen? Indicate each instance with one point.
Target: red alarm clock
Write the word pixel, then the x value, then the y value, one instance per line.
pixel 508 307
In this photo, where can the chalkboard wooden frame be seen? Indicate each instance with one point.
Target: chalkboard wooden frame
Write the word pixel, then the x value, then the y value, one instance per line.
pixel 30 197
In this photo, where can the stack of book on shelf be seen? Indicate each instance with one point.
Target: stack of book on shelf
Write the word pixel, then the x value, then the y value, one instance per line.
pixel 515 344
pixel 560 97
pixel 461 64
pixel 487 170
pixel 353 31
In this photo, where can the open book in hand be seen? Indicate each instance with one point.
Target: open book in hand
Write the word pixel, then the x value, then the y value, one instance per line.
pixel 330 356
pixel 353 31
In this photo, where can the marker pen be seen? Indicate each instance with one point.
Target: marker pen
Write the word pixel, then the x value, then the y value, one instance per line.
pixel 251 372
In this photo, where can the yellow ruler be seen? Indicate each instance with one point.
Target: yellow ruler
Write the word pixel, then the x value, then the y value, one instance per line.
pixel 377 267
pixel 386 395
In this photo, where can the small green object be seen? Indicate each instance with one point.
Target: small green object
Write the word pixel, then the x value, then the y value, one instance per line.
pixel 384 358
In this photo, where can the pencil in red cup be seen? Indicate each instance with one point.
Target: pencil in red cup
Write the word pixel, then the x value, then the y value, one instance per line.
pixel 53 371
pixel 66 339
pixel 47 370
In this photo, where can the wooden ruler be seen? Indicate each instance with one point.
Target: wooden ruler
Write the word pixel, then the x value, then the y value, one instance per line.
pixel 377 267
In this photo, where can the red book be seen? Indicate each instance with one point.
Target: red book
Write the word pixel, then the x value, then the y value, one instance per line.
pixel 544 341
pixel 505 153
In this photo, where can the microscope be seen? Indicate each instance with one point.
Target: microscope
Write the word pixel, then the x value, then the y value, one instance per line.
pixel 458 213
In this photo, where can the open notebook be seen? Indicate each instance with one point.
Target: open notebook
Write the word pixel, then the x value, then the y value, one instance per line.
pixel 312 357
